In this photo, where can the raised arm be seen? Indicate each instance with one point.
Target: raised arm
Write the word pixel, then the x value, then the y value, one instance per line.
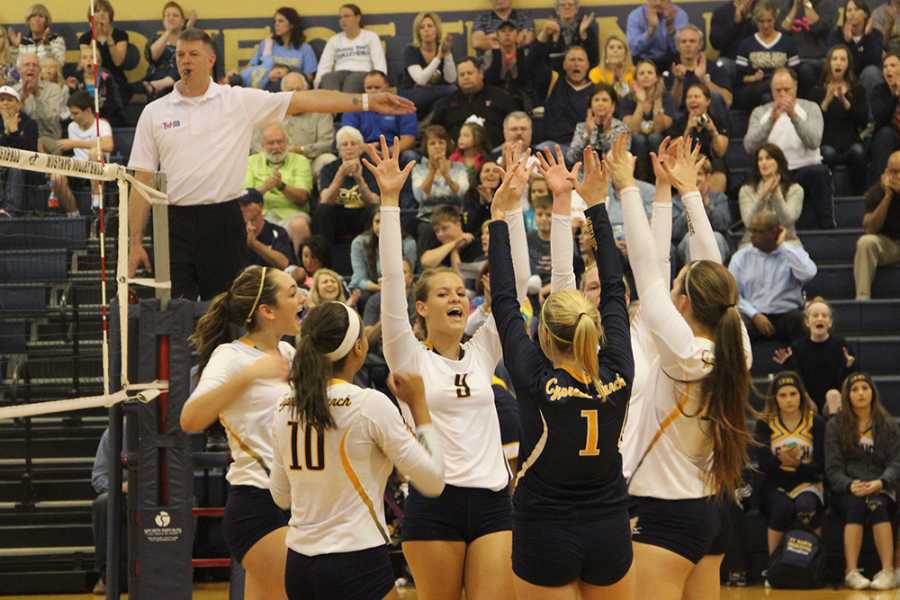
pixel 562 245
pixel 514 217
pixel 329 101
pixel 661 218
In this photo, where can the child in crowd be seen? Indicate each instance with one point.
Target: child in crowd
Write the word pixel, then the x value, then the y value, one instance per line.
pixel 536 189
pixel 471 148
pixel 454 246
pixel 539 240
pixel 111 103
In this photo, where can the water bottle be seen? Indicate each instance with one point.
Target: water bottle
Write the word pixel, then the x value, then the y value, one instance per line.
pixel 52 200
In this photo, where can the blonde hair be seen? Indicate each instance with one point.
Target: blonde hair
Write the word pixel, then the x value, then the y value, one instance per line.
pixel 572 325
pixel 417 22
pixel 39 10
pixel 4 49
pixel 314 298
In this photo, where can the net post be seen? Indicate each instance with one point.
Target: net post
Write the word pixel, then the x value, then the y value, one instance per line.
pixel 161 271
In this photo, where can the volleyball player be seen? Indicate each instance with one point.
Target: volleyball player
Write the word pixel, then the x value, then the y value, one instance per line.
pixel 462 539
pixel 241 382
pixel 571 535
pixel 696 391
pixel 335 444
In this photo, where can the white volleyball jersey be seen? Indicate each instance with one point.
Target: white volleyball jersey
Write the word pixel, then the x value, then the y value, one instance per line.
pixel 334 481
pixel 634 432
pixel 247 420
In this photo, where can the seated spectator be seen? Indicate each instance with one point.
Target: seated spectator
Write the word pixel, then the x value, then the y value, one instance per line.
pixel 569 28
pixel 862 461
pixel 651 31
pixel 515 69
pixel 111 105
pixel 477 201
pixel 731 23
pixel 162 72
pixel 41 100
pixel 648 111
pixel 616 68
pixel 8 73
pixel 328 286
pixel 350 54
pixel 38 39
pixel 759 56
pixel 885 106
pixel 517 137
pixel 314 254
pixel 486 24
pixel 770 276
pixel 822 359
pixel 373 125
pixel 769 188
pixel 365 260
pixel 809 24
pixel 452 246
pixel 880 244
pixel 474 98
pixel 286 47
pixel 600 127
pixel 795 126
pixel 112 45
pixel 537 189
pixel 691 67
pixel 52 72
pixel 716 205
pixel 429 70
pixel 791 458
pixel 436 180
pixel 19 189
pixel 471 147
pixel 865 43
pixel 884 19
pixel 539 241
pixel 285 180
pixel 268 244
pixel 100 483
pixel 568 101
pixel 709 126
pixel 82 142
pixel 845 112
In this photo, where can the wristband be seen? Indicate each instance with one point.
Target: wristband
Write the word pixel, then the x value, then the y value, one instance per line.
pixel 365 102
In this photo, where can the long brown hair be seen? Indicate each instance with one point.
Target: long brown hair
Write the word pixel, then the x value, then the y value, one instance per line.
pixel 231 311
pixel 849 76
pixel 848 422
pixel 785 379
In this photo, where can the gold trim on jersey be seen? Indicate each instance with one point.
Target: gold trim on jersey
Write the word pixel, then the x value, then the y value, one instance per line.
pixel 535 452
pixel 803 430
pixel 244 447
pixel 357 485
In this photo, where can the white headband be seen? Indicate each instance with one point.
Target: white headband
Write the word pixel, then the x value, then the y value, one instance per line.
pixel 349 338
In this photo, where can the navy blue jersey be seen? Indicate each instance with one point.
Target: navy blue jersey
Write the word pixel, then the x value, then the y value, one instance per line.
pixel 569 461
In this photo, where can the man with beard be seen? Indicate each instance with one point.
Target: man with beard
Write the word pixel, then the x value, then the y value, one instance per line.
pixel 285 180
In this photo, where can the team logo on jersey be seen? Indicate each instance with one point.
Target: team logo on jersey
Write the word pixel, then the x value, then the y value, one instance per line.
pixel 556 392
pixel 606 389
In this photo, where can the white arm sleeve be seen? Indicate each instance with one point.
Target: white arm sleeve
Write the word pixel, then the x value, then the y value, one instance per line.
pixel 518 242
pixel 279 485
pixel 423 75
pixel 661 225
pixel 450 68
pixel 477 318
pixel 701 240
pixel 562 249
pixel 398 342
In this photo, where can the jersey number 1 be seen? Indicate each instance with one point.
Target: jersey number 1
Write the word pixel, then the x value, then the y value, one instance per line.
pixel 314 461
pixel 592 438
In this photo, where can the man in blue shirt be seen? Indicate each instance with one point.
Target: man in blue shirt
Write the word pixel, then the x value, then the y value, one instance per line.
pixel 651 31
pixel 770 276
pixel 373 124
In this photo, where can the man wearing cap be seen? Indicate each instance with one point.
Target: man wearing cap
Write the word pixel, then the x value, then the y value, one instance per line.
pixel 511 67
pixel 204 162
pixel 41 100
pixel 486 26
pixel 19 131
pixel 268 244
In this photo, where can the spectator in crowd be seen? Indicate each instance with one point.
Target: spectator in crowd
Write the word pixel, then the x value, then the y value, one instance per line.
pixel 880 244
pixel 452 246
pixel 539 241
pixel 20 131
pixel 706 124
pixel 366 262
pixel 759 56
pixel 648 111
pixel 350 54
pixel 616 68
pixel 651 31
pixel 845 112
pixel 570 27
pixel 112 45
pixel 286 47
pixel 162 72
pixel 41 100
pixel 809 23
pixel 474 98
pixel 517 137
pixel 770 276
pixel 862 461
pixel 284 179
pixel 885 116
pixel 82 142
pixel 476 208
pixel 268 244
pixel 471 147
pixel 795 126
pixel 111 104
pixel 373 125
pixel 568 101
pixel 517 70
pixel 486 24
pixel 314 254
pixel 8 73
pixel 716 205
pixel 436 180
pixel 865 43
pixel 52 71
pixel 100 483
pixel 600 127
pixel 884 19
pixel 823 360
pixel 38 39
pixel 328 286
pixel 731 23
pixel 692 67
pixel 791 458
pixel 429 70
pixel 770 188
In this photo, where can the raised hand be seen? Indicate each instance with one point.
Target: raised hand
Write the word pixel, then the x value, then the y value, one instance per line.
pixel 849 359
pixel 390 104
pixel 515 178
pixel 782 355
pixel 668 150
pixel 620 163
pixel 585 24
pixel 409 388
pixel 683 170
pixel 594 186
pixel 386 169
pixel 559 179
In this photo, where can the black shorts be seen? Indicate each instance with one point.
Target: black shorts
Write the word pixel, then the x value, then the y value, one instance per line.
pixel 361 575
pixel 556 553
pixel 250 515
pixel 686 527
pixel 457 515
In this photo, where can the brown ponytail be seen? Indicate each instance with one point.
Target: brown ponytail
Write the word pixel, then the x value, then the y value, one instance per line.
pixel 573 327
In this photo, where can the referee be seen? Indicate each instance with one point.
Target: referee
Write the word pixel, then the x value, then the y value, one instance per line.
pixel 199 137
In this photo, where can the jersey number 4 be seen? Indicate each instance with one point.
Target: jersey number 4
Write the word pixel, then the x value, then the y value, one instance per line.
pixel 462 388
pixel 592 437
pixel 313 448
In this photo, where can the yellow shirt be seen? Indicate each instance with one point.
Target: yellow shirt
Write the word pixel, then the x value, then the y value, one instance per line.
pixel 295 172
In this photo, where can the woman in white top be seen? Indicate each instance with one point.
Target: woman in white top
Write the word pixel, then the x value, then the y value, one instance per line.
pixel 348 56
pixel 335 444
pixel 241 382
pixel 695 400
pixel 463 538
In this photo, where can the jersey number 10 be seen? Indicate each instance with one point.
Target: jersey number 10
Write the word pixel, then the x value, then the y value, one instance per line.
pixel 315 456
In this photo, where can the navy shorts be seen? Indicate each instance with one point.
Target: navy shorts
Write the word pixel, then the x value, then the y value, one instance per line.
pixel 457 515
pixel 361 575
pixel 250 515
pixel 556 553
pixel 686 527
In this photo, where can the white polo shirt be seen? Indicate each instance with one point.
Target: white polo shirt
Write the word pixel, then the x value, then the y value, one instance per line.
pixel 202 144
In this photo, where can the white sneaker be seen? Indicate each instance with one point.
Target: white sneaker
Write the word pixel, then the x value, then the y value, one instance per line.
pixel 883 580
pixel 856 581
